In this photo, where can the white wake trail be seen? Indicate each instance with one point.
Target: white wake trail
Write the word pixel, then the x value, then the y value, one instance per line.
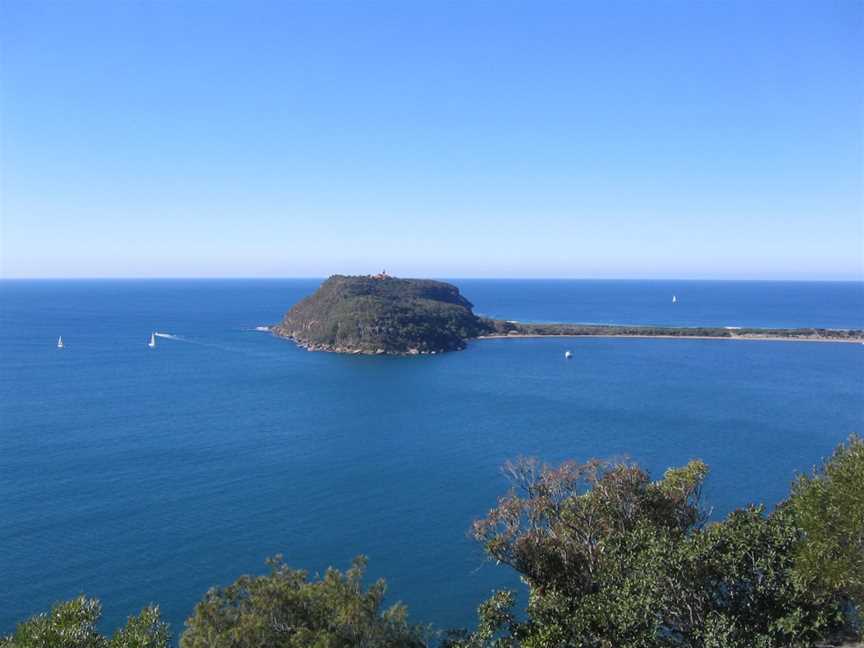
pixel 230 348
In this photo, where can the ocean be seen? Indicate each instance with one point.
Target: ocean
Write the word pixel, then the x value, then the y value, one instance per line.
pixel 138 475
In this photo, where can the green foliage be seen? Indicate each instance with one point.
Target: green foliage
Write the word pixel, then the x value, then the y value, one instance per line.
pixel 368 314
pixel 563 524
pixel 72 624
pixel 146 630
pixel 828 506
pixel 495 617
pixel 284 609
pixel 506 327
pixel 736 585
pixel 614 559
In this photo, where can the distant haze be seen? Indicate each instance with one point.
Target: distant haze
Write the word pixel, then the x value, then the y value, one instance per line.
pixel 542 139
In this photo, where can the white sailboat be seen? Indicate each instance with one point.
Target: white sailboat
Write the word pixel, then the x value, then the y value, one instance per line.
pixel 674 299
pixel 152 342
pixel 60 342
pixel 568 354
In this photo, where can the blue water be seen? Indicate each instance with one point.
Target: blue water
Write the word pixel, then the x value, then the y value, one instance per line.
pixel 137 475
pixel 764 304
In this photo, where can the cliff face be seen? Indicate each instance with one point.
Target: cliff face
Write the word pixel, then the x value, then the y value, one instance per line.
pixel 382 315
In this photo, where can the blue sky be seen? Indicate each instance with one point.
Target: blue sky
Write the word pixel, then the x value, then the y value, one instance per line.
pixel 504 139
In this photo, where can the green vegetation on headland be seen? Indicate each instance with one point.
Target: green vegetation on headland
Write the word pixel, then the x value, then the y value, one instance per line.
pixel 505 328
pixel 381 314
pixel 612 559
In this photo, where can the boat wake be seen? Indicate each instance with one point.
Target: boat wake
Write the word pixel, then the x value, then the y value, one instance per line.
pixel 205 343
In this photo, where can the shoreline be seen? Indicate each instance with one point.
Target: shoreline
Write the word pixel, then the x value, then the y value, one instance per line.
pixel 762 338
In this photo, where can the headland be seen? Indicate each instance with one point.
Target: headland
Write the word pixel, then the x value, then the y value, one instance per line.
pixel 384 315
pixel 380 314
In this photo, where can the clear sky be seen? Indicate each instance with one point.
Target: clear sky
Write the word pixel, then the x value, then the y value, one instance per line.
pixel 505 139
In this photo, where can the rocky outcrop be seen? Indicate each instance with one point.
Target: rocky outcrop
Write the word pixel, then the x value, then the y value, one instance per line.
pixel 381 315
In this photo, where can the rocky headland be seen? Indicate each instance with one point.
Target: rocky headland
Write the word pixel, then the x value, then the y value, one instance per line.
pixel 380 314
pixel 384 315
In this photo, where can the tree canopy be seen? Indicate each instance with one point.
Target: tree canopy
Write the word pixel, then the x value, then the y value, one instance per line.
pixel 72 624
pixel 614 559
pixel 284 609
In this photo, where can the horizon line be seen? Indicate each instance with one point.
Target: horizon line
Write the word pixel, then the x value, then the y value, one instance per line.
pixel 452 278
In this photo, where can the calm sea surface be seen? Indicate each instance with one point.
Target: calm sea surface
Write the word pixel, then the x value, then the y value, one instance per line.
pixel 140 475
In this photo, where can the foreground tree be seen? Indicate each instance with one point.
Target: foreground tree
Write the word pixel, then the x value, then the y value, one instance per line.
pixel 283 609
pixel 614 559
pixel 828 507
pixel 563 528
pixel 592 542
pixel 736 588
pixel 72 624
